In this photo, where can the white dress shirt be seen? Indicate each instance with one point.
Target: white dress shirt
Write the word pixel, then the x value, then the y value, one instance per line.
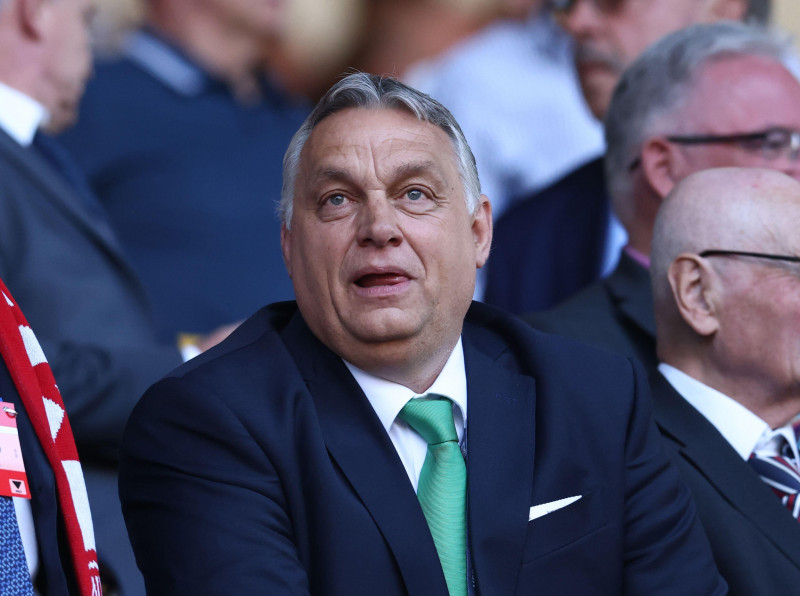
pixel 745 431
pixel 20 115
pixel 388 398
pixel 20 118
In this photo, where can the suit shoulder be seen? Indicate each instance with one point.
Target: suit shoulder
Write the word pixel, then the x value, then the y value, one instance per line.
pixel 517 345
pixel 555 207
pixel 266 323
pixel 574 311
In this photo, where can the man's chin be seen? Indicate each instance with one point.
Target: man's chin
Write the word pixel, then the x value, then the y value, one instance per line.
pixel 597 87
pixel 384 326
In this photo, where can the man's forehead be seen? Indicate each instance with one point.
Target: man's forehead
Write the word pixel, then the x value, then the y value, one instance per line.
pixel 393 138
pixel 756 91
pixel 361 124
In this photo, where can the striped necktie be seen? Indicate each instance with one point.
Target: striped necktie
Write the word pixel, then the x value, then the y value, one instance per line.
pixel 442 489
pixel 778 467
pixel 15 580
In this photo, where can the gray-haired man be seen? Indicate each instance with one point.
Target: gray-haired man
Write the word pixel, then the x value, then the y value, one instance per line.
pixel 288 460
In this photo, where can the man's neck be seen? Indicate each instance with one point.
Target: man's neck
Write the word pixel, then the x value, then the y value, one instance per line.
pixel 773 405
pixel 228 55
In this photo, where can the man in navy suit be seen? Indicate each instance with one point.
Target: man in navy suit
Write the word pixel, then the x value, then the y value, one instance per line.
pixel 726 287
pixel 286 460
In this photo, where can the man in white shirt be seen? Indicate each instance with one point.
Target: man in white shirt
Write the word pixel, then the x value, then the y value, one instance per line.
pixel 726 285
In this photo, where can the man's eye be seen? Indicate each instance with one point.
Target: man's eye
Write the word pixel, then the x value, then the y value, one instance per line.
pixel 336 200
pixel 414 194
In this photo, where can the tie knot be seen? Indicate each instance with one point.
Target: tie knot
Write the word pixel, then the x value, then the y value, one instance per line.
pixel 772 445
pixel 431 417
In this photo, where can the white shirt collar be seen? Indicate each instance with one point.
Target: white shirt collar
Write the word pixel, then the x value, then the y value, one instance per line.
pixel 165 64
pixel 740 427
pixel 20 115
pixel 388 398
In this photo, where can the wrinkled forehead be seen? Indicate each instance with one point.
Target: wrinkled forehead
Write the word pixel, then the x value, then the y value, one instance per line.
pixel 378 139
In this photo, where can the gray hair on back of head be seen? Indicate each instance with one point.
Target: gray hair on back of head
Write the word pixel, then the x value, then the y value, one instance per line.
pixel 661 79
pixel 362 90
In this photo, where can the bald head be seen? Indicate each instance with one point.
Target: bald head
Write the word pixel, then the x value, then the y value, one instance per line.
pixel 746 209
pixel 731 320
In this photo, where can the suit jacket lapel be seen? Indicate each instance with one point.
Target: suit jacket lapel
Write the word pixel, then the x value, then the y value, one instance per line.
pixel 61 195
pixel 357 441
pixel 709 452
pixel 500 446
pixel 629 285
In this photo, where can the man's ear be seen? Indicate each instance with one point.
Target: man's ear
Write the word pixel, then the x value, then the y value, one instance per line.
pixel 33 15
pixel 286 247
pixel 694 293
pixel 661 165
pixel 482 231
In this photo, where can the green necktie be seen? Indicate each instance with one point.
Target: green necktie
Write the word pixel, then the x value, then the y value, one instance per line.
pixel 442 489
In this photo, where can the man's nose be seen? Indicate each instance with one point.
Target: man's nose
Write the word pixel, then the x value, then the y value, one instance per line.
pixel 378 223
pixel 581 19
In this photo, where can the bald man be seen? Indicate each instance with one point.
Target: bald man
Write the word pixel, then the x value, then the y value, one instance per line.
pixel 726 285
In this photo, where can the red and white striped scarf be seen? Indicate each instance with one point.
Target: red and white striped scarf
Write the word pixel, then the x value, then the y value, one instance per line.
pixel 40 396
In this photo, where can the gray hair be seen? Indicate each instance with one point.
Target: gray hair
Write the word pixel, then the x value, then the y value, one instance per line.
pixel 658 83
pixel 362 90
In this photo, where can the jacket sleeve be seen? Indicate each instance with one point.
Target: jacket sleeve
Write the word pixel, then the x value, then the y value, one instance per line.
pixel 203 502
pixel 100 386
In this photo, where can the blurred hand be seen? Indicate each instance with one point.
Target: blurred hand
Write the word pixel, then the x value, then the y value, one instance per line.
pixel 204 342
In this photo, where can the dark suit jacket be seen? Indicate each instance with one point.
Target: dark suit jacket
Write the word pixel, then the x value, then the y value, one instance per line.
pixel 190 177
pixel 755 540
pixel 550 245
pixel 615 313
pixel 55 576
pixel 262 468
pixel 63 264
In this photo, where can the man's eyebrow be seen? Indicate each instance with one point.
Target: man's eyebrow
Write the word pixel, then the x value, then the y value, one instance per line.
pixel 428 168
pixel 324 174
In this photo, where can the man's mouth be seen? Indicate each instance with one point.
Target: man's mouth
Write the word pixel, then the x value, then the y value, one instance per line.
pixel 372 280
pixel 587 56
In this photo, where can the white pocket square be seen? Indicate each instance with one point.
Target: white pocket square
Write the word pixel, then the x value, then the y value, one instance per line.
pixel 545 508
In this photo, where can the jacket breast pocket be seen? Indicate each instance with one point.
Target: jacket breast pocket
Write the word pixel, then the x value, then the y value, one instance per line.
pixel 566 525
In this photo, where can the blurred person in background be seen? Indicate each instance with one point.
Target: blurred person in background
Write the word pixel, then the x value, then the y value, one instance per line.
pixel 705 96
pixel 181 137
pixel 62 261
pixel 565 237
pixel 513 89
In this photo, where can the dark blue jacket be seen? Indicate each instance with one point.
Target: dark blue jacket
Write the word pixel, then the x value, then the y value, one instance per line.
pixel 550 245
pixel 261 468
pixel 190 177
